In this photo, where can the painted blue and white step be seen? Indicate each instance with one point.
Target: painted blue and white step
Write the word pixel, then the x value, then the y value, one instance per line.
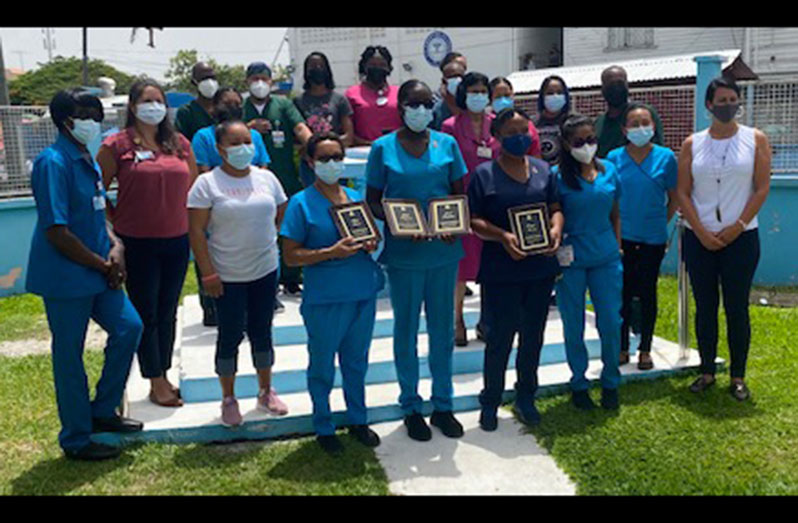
pixel 199 419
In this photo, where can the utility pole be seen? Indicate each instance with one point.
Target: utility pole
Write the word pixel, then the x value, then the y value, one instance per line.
pixel 85 56
pixel 3 86
pixel 48 34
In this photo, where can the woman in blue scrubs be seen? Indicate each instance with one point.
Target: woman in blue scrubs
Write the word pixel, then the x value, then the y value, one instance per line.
pixel 590 258
pixel 648 175
pixel 419 164
pixel 339 302
pixel 77 266
pixel 516 285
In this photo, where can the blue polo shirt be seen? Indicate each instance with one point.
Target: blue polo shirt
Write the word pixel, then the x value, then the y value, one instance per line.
pixel 645 186
pixel 400 175
pixel 491 192
pixel 587 217
pixel 307 221
pixel 64 182
pixel 204 146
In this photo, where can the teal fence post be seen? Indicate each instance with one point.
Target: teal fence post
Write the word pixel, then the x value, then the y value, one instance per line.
pixel 709 68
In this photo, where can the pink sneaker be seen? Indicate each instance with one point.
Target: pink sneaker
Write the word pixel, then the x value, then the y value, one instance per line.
pixel 231 416
pixel 269 402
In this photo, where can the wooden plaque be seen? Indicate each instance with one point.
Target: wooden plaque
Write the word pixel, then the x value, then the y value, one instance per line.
pixel 530 224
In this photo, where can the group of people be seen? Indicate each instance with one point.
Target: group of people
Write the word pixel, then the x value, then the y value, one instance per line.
pixel 222 183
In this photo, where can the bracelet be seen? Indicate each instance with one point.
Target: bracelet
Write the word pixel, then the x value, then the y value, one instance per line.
pixel 210 278
pixel 741 222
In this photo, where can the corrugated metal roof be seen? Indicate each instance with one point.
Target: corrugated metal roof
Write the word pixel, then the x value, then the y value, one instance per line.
pixel 640 70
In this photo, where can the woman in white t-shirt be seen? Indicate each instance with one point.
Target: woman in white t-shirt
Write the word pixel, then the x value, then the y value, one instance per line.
pixel 724 179
pixel 240 207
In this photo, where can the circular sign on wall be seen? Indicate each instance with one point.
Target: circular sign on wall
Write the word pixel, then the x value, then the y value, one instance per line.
pixel 436 46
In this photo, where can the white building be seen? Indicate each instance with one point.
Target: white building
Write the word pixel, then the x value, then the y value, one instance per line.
pixel 492 51
pixel 769 51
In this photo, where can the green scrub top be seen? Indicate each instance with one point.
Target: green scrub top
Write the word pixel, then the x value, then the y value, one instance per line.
pixel 191 118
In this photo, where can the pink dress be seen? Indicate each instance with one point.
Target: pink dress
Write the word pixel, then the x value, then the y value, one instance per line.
pixel 370 119
pixel 460 127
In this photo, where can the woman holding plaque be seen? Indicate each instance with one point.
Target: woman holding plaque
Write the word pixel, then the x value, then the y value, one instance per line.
pixel 340 295
pixel 590 258
pixel 648 179
pixel 516 277
pixel 418 164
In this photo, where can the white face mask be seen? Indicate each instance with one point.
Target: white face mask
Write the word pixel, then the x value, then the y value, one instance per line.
pixel 208 87
pixel 585 153
pixel 85 131
pixel 151 113
pixel 260 89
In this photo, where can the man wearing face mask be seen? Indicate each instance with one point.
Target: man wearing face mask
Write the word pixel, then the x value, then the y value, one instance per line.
pixel 281 125
pixel 77 266
pixel 453 69
pixel 198 113
pixel 609 126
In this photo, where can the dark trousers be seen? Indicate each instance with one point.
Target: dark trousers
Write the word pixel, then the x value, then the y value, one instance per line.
pixel 641 262
pixel 509 309
pixel 733 269
pixel 156 270
pixel 246 307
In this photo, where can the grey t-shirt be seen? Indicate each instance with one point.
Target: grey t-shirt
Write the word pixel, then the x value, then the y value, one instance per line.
pixel 324 113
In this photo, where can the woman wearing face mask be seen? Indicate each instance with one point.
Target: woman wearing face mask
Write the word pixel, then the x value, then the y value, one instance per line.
pixel 154 164
pixel 516 286
pixel 724 179
pixel 240 207
pixel 340 295
pixel 452 70
pixel 590 258
pixel 501 93
pixel 471 130
pixel 554 106
pixel 648 182
pixel 419 164
pixel 324 110
pixel 373 100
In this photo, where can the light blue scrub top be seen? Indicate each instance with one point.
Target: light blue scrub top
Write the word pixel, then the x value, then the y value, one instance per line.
pixel 65 182
pixel 644 205
pixel 399 175
pixel 307 221
pixel 204 146
pixel 587 217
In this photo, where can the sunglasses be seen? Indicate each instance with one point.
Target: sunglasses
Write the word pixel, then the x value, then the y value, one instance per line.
pixel 429 105
pixel 579 142
pixel 334 157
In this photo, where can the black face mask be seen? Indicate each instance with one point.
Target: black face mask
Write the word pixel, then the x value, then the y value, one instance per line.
pixel 616 95
pixel 725 113
pixel 318 76
pixel 376 75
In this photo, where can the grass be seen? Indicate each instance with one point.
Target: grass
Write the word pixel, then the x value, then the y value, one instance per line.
pixel 666 440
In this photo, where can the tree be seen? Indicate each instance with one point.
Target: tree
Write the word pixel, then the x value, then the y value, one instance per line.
pixel 37 87
pixel 178 76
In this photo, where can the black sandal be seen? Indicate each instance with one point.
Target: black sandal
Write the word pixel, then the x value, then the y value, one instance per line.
pixel 645 365
pixel 700 384
pixel 739 391
pixel 623 359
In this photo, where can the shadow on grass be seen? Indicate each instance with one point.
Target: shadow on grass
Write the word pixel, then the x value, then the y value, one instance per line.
pixel 217 455
pixel 60 475
pixel 309 463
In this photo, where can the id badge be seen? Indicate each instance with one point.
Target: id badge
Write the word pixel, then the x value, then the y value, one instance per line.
pixel 98 202
pixel 485 152
pixel 278 138
pixel 144 155
pixel 565 255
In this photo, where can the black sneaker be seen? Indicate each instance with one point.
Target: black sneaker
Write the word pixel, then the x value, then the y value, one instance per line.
pixel 292 289
pixel 446 421
pixel 330 444
pixel 527 415
pixel 488 421
pixel 609 399
pixel 739 391
pixel 468 291
pixel 365 435
pixel 116 424
pixel 93 452
pixel 278 306
pixel 581 400
pixel 417 428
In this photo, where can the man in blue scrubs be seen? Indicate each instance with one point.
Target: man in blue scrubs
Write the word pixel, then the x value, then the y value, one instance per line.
pixel 77 265
pixel 419 164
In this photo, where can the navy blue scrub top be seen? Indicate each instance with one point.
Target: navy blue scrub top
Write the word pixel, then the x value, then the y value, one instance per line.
pixel 65 182
pixel 491 191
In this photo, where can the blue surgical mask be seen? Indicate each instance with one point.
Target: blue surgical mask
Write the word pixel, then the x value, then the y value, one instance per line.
pixel 452 83
pixel 418 118
pixel 640 135
pixel 517 144
pixel 554 102
pixel 502 103
pixel 329 172
pixel 86 130
pixel 477 102
pixel 240 156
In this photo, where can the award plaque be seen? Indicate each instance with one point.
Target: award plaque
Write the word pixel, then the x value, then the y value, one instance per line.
pixel 530 224
pixel 404 217
pixel 354 220
pixel 449 215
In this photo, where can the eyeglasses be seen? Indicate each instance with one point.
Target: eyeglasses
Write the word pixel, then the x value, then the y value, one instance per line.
pixel 334 157
pixel 414 105
pixel 579 142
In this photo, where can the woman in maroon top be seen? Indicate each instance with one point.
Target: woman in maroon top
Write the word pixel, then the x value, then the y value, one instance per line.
pixel 154 167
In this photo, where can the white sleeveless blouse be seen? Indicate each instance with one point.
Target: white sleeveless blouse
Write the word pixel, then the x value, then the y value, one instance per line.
pixel 723 177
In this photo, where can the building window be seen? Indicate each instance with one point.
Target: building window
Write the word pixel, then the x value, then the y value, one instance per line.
pixel 620 38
